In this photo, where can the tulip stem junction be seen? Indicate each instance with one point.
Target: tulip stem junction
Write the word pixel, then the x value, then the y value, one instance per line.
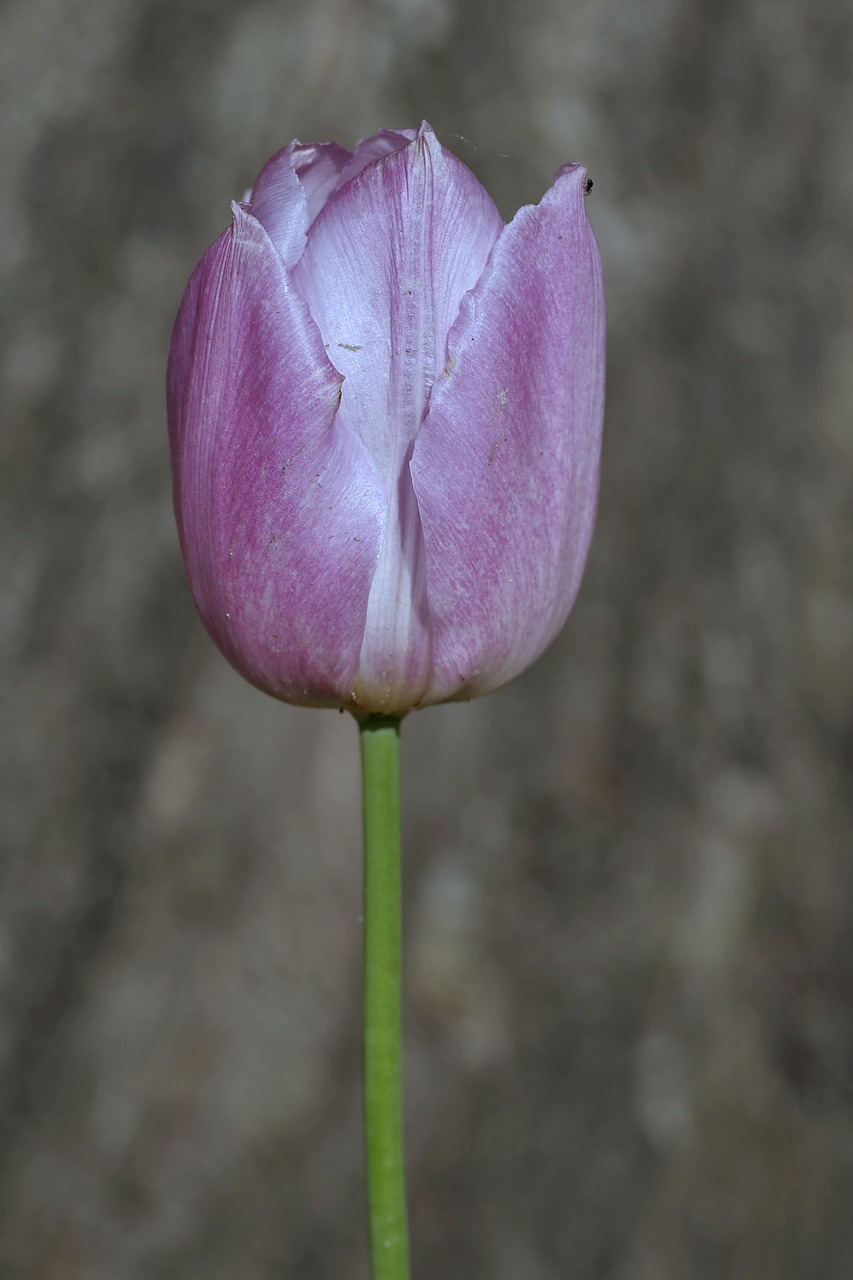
pixel 383 1098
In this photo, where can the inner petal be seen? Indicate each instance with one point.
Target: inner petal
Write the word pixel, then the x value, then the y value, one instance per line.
pixel 319 166
pixel 379 144
pixel 292 188
pixel 387 263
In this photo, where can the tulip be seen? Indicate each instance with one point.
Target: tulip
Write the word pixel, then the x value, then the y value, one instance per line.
pixel 385 412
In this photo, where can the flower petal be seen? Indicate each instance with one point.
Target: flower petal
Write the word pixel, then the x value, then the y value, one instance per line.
pixel 387 264
pixel 279 505
pixel 320 166
pixel 292 188
pixel 278 202
pixel 380 144
pixel 506 465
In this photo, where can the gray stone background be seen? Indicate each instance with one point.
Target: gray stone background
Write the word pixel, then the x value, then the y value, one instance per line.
pixel 629 948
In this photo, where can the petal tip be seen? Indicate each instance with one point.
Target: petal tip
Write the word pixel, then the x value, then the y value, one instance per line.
pixel 574 174
pixel 242 217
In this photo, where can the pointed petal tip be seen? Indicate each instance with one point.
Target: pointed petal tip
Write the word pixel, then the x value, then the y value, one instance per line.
pixel 571 167
pixel 243 217
pixel 572 175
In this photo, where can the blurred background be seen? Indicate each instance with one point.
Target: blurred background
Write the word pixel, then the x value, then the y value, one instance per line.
pixel 629 911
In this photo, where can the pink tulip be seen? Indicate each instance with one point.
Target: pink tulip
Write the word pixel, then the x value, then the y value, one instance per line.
pixel 385 411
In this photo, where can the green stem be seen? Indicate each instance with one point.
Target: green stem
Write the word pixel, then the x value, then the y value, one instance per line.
pixel 383 1100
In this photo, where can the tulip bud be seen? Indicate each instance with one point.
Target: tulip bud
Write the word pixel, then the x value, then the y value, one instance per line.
pixel 385 412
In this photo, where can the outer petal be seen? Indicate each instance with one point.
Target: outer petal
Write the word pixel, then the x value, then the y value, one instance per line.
pixel 387 264
pixel 506 465
pixel 292 188
pixel 279 506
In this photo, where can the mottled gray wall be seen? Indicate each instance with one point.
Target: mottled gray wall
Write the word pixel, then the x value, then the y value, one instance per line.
pixel 629 911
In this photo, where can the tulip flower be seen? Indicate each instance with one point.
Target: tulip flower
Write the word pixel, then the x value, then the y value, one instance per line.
pixel 385 414
pixel 385 410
